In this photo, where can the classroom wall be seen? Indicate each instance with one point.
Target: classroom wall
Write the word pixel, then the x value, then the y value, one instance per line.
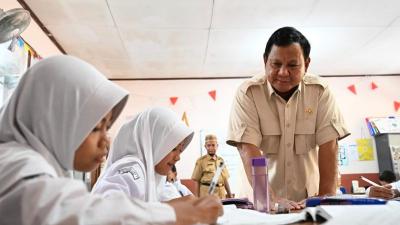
pixel 206 115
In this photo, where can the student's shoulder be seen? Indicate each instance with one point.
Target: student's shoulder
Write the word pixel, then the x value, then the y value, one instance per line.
pixel 253 81
pixel 128 166
pixel 314 80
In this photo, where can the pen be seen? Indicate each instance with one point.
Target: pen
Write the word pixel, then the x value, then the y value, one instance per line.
pixel 177 188
pixel 369 181
pixel 214 180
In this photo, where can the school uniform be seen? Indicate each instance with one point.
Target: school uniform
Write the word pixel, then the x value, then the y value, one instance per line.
pixel 139 146
pixel 173 190
pixel 57 103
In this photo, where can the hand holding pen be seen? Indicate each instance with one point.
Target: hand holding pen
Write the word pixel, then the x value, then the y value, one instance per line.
pixel 379 191
pixel 214 180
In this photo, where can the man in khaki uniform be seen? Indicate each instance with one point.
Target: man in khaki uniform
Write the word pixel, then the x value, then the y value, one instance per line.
pixel 292 117
pixel 206 166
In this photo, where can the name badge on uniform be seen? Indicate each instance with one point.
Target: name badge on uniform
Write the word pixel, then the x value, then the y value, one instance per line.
pixel 130 170
pixel 135 174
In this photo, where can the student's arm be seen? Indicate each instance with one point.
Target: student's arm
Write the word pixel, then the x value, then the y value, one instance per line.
pixel 327 162
pixel 61 200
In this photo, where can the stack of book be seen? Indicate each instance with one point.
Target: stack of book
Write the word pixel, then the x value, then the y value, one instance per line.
pixel 383 125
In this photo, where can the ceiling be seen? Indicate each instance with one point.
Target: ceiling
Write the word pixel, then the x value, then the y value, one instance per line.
pixel 131 39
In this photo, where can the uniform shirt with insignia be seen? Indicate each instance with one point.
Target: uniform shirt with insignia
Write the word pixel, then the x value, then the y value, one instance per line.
pixel 205 168
pixel 288 133
pixel 128 177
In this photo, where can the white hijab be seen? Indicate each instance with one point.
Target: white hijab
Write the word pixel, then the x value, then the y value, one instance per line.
pixel 57 103
pixel 150 136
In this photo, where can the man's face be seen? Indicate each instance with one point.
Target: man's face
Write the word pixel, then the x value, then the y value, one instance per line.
pixel 211 147
pixel 285 67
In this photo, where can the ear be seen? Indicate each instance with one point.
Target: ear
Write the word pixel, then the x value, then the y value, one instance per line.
pixel 307 63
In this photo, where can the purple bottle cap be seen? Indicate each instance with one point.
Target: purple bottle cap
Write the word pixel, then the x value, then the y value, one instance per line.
pixel 261 161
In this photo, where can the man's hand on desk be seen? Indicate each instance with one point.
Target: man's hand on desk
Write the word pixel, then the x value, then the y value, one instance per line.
pixel 291 205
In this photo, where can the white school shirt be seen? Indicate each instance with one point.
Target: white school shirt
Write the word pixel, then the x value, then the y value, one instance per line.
pixel 396 185
pixel 56 104
pixel 127 176
pixel 173 190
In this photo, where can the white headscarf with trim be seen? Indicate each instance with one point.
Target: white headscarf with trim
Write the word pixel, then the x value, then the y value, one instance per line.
pixel 55 106
pixel 150 136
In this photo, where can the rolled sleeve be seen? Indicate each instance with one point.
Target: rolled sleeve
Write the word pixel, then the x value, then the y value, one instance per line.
pixel 244 125
pixel 330 121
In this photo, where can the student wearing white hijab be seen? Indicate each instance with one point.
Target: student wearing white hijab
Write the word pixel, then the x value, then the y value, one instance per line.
pixel 142 154
pixel 173 188
pixel 57 120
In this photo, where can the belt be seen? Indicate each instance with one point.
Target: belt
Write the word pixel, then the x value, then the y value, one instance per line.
pixel 208 184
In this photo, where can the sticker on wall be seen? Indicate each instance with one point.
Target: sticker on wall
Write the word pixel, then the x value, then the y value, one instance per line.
pixel 352 152
pixel 365 149
pixel 185 119
pixel 343 159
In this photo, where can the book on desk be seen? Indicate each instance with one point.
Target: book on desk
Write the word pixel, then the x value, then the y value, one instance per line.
pixel 345 199
pixel 387 214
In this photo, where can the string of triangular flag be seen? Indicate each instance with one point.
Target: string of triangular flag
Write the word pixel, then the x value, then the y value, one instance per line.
pixel 212 94
pixel 353 89
pixel 27 48
pixel 373 87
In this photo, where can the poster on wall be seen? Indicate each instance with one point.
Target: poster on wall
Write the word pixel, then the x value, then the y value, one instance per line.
pixel 365 149
pixel 347 154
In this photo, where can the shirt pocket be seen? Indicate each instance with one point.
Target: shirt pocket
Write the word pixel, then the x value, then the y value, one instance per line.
pixel 304 137
pixel 270 142
pixel 210 168
pixel 271 136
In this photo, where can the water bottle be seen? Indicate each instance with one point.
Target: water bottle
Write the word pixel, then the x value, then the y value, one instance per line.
pixel 260 184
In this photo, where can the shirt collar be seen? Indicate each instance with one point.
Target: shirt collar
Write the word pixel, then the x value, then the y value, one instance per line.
pixel 214 157
pixel 270 89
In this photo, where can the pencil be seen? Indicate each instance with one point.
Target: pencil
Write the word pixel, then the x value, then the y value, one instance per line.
pixel 369 181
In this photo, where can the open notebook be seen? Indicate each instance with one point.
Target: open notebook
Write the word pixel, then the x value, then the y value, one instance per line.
pixel 388 214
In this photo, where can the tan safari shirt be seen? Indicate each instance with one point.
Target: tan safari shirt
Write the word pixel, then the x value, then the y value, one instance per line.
pixel 288 133
pixel 204 171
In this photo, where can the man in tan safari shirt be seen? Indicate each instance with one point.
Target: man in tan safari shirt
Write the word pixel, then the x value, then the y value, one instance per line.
pixel 206 166
pixel 292 117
